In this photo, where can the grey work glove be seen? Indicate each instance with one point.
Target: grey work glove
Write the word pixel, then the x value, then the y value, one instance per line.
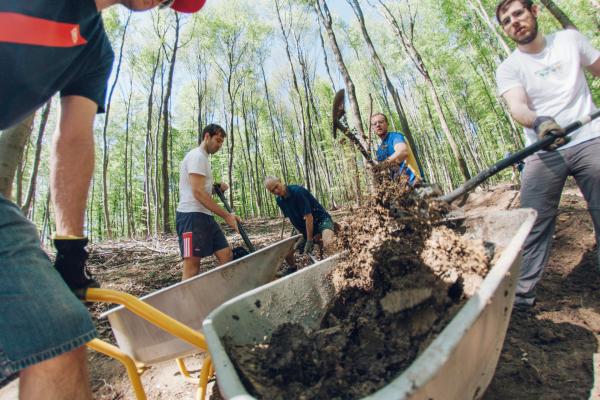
pixel 299 245
pixel 308 246
pixel 544 126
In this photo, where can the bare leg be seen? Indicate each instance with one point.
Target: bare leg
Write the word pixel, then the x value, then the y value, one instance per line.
pixel 60 378
pixel 224 255
pixel 191 267
pixel 72 163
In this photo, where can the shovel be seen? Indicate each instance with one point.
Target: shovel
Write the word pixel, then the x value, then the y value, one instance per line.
pixel 340 122
pixel 243 233
pixel 514 158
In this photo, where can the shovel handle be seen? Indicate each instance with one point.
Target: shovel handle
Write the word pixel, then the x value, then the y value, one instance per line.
pixel 243 233
pixel 514 158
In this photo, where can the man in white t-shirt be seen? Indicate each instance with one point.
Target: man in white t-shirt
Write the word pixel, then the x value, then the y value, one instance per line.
pixel 198 232
pixel 544 86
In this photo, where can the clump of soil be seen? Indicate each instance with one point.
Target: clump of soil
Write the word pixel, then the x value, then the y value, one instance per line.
pixel 401 280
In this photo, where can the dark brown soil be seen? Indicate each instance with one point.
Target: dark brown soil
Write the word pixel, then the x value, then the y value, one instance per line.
pixel 399 284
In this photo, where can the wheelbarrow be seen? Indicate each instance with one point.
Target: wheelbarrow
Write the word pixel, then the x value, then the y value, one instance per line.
pixel 458 364
pixel 165 325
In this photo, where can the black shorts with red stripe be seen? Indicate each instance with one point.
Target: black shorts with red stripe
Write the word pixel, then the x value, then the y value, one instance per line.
pixel 199 234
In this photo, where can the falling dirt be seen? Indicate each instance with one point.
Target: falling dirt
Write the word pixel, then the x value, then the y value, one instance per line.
pixel 401 280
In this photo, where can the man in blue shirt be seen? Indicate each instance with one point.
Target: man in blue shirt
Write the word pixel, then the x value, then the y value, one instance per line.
pixel 48 47
pixel 393 152
pixel 305 212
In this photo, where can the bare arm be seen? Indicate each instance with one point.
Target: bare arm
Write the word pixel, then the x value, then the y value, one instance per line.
pixel 400 154
pixel 197 182
pixel 309 220
pixel 594 67
pixel 516 99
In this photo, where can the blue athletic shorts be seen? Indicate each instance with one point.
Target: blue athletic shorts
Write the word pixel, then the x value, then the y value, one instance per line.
pixel 199 234
pixel 40 318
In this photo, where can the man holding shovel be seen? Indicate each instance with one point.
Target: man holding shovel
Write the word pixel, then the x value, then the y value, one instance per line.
pixel 198 232
pixel 544 85
pixel 394 153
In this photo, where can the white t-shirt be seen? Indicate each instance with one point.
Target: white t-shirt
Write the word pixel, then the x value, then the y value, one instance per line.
pixel 194 162
pixel 554 82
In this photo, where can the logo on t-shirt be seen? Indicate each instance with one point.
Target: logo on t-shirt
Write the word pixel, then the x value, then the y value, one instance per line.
pixel 75 34
pixel 552 69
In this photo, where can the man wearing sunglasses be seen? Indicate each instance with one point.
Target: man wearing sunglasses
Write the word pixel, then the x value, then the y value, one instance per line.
pixel 48 47
pixel 544 85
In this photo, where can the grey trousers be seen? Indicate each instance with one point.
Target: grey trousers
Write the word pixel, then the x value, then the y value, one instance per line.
pixel 543 180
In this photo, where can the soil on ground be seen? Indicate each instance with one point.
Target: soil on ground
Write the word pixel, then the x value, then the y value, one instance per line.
pixel 548 352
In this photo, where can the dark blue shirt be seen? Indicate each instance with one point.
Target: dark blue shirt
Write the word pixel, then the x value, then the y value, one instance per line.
pixel 386 149
pixel 298 203
pixel 49 46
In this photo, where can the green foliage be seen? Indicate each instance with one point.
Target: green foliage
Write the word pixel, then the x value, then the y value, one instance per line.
pixel 278 130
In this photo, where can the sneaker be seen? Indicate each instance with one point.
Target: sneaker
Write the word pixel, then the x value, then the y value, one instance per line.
pixel 71 257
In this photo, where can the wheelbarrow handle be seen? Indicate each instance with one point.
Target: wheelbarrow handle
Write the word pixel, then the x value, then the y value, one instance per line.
pixel 243 233
pixel 514 158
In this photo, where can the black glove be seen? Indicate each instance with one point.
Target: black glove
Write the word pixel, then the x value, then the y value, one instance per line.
pixel 71 256
pixel 544 126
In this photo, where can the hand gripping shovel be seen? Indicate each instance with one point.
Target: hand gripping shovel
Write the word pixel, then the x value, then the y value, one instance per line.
pixel 243 233
pixel 514 158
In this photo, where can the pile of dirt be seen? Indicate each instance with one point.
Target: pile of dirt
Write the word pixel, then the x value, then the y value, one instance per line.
pixel 401 280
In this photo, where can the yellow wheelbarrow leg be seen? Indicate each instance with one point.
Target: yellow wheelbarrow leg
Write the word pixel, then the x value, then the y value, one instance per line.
pixel 130 366
pixel 183 369
pixel 204 375
pixel 159 319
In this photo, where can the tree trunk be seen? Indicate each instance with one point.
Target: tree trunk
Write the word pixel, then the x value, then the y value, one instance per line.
pixel 388 83
pixel 12 144
pixel 105 193
pixel 147 202
pixel 561 17
pixel 325 17
pixel 482 14
pixel 419 63
pixel 26 208
pixel 166 211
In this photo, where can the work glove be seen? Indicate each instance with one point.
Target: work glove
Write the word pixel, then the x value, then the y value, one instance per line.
pixel 71 257
pixel 299 245
pixel 308 246
pixel 544 126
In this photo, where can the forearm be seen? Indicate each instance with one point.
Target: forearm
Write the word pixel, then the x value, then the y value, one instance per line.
pixel 308 219
pixel 523 115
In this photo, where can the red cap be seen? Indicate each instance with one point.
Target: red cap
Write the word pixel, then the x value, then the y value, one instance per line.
pixel 187 6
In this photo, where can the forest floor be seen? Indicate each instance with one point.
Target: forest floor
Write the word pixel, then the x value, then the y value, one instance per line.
pixel 549 351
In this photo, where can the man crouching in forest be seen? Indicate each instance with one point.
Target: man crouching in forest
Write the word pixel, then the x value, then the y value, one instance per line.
pixel 198 232
pixel 306 214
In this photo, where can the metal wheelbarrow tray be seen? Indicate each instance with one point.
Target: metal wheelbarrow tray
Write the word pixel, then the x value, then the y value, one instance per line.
pixel 458 364
pixel 190 301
